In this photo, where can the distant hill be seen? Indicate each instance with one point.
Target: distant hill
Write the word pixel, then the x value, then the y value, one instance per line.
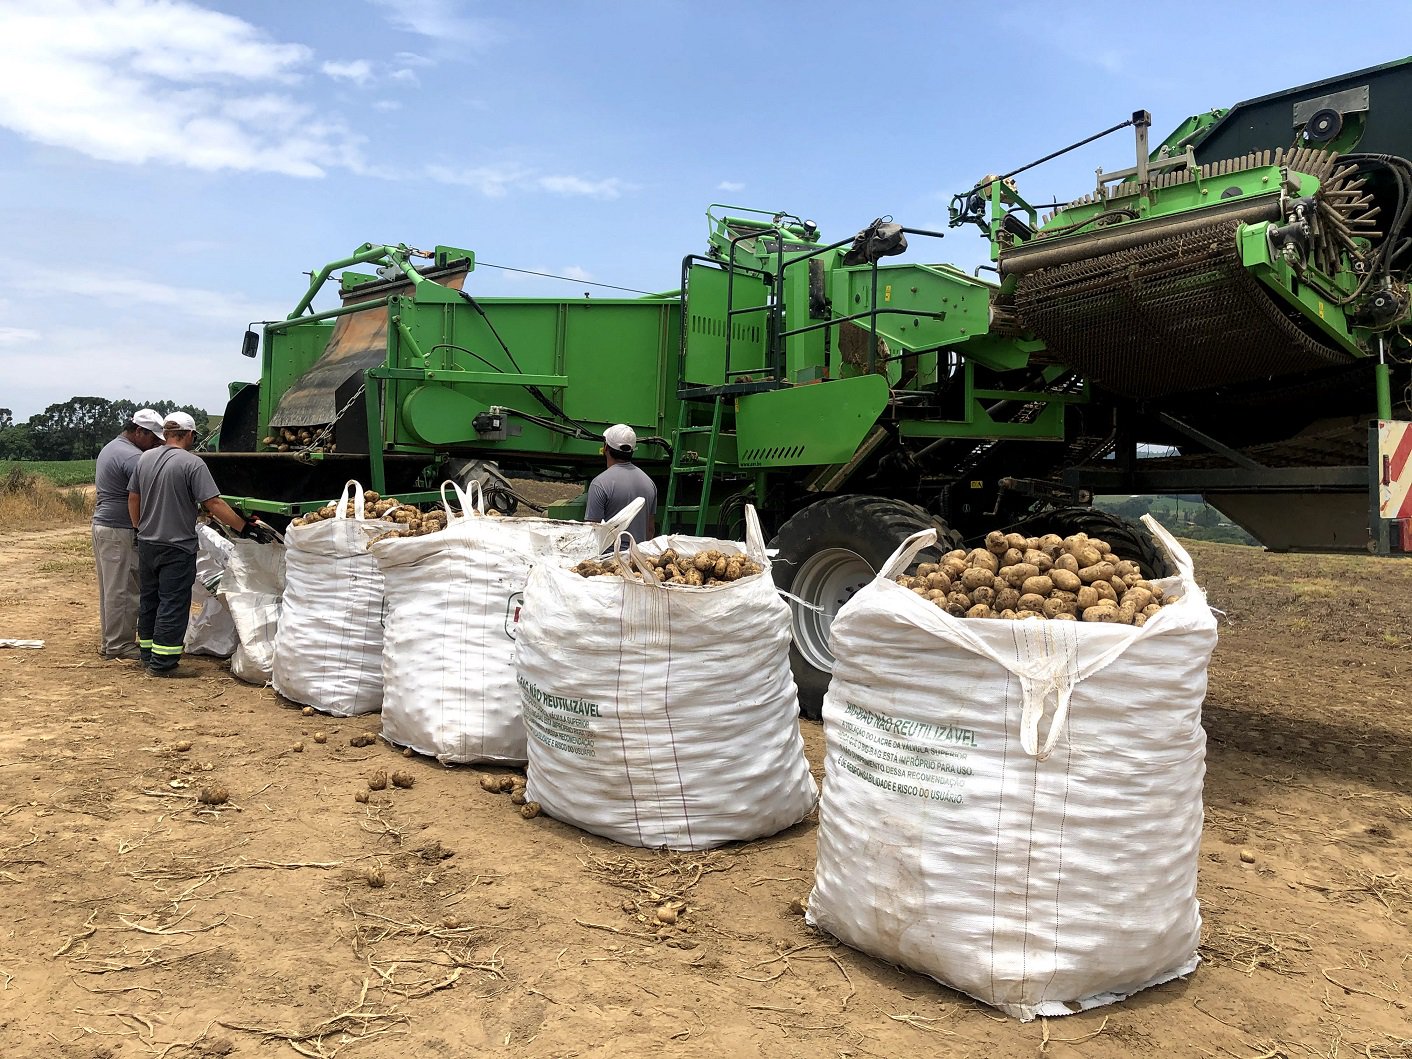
pixel 1186 516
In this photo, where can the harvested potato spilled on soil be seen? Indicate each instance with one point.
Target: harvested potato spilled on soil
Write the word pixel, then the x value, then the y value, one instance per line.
pixel 711 567
pixel 1075 578
pixel 501 784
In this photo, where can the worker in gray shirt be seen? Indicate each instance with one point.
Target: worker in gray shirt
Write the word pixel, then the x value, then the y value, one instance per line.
pixel 167 487
pixel 621 484
pixel 115 539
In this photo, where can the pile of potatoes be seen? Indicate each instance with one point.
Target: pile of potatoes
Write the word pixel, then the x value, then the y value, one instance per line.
pixel 1076 578
pixel 414 523
pixel 285 438
pixel 711 567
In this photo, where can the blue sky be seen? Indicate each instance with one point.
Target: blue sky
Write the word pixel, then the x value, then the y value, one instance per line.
pixel 168 168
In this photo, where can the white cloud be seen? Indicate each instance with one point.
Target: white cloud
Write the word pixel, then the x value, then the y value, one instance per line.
pixel 120 360
pixel 491 181
pixel 411 58
pixel 94 335
pixel 406 76
pixel 498 181
pixel 440 20
pixel 387 105
pixel 730 185
pixel 359 71
pixel 140 81
pixel 574 272
pixel 611 188
pixel 9 336
pixel 126 292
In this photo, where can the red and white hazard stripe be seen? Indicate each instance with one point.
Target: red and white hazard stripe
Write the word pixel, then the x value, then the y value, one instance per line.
pixel 1395 458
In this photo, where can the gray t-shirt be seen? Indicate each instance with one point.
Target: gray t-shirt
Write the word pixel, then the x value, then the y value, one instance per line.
pixel 615 489
pixel 171 483
pixel 115 464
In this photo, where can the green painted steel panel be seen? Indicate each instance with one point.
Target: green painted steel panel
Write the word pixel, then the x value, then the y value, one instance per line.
pixel 620 354
pixel 708 291
pixel 1322 311
pixel 288 354
pixel 572 509
pixel 920 307
pixel 439 415
pixel 727 449
pixel 806 426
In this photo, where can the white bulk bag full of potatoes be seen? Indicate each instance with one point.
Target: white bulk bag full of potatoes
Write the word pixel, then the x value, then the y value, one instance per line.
pixel 663 715
pixel 453 602
pixel 251 588
pixel 328 653
pixel 1014 807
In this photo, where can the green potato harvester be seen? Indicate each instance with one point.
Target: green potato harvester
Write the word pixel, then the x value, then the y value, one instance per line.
pixel 1224 315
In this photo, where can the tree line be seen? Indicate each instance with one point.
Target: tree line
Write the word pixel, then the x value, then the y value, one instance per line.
pixel 77 428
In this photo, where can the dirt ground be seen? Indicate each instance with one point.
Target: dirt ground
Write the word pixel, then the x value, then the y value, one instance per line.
pixel 139 922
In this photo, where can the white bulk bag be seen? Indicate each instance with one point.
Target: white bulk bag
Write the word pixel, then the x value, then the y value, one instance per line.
pixel 663 715
pixel 1014 807
pixel 453 601
pixel 251 589
pixel 328 653
pixel 211 631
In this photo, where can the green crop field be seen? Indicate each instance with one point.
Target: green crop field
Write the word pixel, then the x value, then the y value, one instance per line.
pixel 60 472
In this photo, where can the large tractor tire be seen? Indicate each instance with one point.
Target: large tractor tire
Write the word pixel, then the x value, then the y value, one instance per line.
pixel 1128 538
pixel 826 553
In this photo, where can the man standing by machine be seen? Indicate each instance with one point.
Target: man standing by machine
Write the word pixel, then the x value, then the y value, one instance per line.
pixel 621 484
pixel 167 487
pixel 114 537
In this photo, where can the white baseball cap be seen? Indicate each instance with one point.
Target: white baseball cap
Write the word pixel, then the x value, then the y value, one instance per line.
pixel 149 419
pixel 182 420
pixel 620 439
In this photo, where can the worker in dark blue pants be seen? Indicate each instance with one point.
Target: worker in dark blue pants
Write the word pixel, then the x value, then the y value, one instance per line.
pixel 166 490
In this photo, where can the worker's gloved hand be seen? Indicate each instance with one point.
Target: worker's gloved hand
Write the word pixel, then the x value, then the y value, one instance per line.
pixel 255 530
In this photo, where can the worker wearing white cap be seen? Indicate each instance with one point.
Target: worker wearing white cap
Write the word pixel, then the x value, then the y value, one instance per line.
pixel 621 484
pixel 115 538
pixel 165 490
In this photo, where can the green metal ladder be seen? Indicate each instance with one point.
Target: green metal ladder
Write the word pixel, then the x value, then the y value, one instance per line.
pixel 688 462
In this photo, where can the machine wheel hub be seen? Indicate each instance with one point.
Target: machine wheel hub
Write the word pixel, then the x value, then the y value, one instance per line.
pixel 826 580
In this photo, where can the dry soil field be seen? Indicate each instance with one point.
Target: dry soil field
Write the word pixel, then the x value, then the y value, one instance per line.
pixel 139 922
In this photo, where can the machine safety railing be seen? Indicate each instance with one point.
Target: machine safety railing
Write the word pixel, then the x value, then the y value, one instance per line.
pixel 777 336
